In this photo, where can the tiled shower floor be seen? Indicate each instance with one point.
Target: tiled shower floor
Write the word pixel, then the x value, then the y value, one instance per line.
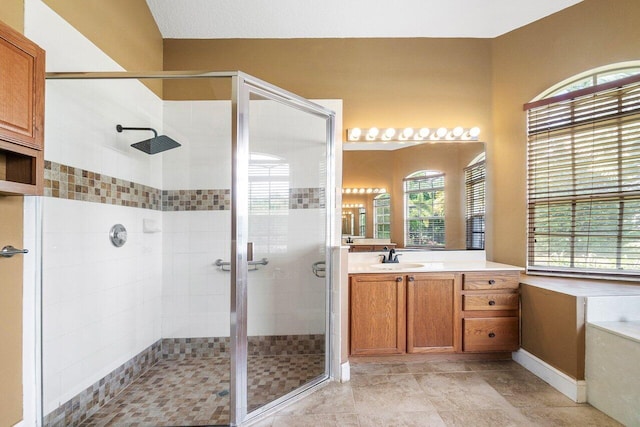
pixel 195 391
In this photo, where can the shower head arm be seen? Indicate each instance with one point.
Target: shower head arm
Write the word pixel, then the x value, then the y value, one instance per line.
pixel 119 128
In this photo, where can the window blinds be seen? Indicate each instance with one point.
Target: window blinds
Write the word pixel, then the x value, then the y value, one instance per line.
pixel 474 180
pixel 584 184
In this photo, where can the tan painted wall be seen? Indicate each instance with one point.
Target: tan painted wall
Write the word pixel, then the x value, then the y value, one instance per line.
pixel 12 14
pixel 553 328
pixel 11 312
pixel 124 29
pixel 383 82
pixel 526 62
pixel 387 169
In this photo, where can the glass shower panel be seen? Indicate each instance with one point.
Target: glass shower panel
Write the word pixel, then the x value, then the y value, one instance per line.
pixel 287 301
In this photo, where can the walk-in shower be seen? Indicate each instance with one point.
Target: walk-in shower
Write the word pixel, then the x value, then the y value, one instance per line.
pixel 213 311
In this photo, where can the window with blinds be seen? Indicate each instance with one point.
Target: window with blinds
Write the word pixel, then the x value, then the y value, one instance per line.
pixel 268 204
pixel 382 217
pixel 474 182
pixel 584 182
pixel 424 209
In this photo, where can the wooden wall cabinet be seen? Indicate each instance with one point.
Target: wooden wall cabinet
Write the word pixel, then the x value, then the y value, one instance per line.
pixel 22 74
pixel 377 314
pixel 471 312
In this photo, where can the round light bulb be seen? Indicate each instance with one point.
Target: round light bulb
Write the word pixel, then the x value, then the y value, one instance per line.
pixel 407 132
pixel 355 134
pixel 474 132
pixel 424 132
pixel 389 133
pixel 457 131
pixel 369 190
pixel 441 132
pixel 372 133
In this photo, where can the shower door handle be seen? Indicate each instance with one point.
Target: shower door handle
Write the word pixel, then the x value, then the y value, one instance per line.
pixel 9 251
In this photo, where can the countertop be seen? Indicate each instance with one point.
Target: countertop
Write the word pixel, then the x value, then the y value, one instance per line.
pixel 629 330
pixel 582 287
pixel 425 262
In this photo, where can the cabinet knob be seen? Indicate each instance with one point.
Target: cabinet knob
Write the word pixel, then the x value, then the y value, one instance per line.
pixel 492 302
pixel 491 335
pixel 411 278
pixel 492 282
pixel 398 279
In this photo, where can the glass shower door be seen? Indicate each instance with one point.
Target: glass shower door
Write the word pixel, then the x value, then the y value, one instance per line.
pixel 287 292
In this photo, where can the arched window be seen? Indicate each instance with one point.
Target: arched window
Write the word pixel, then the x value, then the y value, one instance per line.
pixel 382 216
pixel 424 209
pixel 583 177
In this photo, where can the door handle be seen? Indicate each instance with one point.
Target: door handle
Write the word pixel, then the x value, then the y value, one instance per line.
pixel 9 251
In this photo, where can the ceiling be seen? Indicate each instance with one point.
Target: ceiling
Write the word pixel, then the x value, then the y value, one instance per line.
pixel 224 19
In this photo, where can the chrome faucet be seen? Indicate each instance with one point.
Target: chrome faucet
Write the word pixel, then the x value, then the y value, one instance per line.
pixel 391 258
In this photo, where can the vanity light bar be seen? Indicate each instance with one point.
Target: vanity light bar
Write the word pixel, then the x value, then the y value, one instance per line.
pixel 374 134
pixel 364 190
pixel 353 205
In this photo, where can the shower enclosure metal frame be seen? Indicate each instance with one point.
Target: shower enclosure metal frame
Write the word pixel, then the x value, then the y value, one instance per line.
pixel 242 87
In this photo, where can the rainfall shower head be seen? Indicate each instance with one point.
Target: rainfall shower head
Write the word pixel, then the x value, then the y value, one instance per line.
pixel 154 145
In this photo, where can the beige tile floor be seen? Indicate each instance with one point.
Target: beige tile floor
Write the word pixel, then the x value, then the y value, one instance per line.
pixel 438 393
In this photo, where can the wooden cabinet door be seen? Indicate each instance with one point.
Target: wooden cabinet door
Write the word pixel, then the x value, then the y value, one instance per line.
pixel 21 89
pixel 432 313
pixel 377 314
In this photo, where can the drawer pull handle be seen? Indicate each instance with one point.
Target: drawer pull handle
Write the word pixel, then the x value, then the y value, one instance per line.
pixel 492 282
pixel 491 335
pixel 492 302
pixel 411 278
pixel 398 279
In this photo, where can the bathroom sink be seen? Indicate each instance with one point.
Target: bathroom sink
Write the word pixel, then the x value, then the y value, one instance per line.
pixel 397 266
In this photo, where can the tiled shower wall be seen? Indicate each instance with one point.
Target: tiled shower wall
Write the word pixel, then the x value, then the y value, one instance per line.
pixel 104 305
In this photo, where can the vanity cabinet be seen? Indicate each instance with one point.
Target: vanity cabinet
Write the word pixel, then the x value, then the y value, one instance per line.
pixel 377 314
pixel 490 309
pixel 448 312
pixel 22 76
pixel 432 313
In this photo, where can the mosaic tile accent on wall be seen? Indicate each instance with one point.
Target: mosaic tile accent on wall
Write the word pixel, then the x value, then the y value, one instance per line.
pixel 87 402
pixel 306 198
pixel 196 200
pixel 271 345
pixel 68 182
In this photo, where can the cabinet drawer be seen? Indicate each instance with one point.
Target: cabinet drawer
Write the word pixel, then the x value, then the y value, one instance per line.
pixel 490 302
pixel 491 280
pixel 491 334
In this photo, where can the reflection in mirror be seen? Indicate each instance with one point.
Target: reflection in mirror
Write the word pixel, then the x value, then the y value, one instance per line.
pixel 354 221
pixel 462 166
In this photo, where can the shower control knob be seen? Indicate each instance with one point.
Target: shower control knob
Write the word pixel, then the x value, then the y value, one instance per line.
pixel 118 235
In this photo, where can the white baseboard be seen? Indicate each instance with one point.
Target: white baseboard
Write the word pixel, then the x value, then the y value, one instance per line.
pixel 345 372
pixel 575 390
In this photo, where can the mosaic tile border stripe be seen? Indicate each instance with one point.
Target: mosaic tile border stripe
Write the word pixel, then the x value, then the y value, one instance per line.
pixel 89 401
pixel 196 200
pixel 306 198
pixel 268 345
pixel 68 182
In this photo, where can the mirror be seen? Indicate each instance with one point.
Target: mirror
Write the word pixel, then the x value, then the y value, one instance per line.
pixel 387 168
